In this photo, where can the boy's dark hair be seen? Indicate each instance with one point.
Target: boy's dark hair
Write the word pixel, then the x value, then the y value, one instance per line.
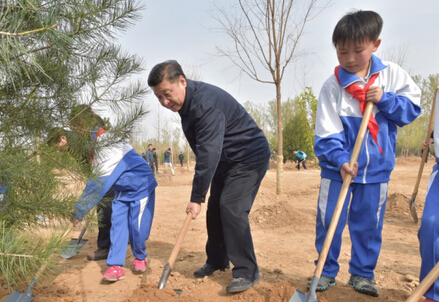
pixel 169 70
pixel 357 27
pixel 83 118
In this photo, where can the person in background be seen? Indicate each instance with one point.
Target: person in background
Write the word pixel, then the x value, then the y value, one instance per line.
pixel 232 154
pixel 167 161
pixel 272 158
pixel 181 158
pixel 360 78
pixel 301 158
pixel 150 157
pixel 155 160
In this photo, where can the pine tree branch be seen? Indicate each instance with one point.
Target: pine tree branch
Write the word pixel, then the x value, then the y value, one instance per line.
pixel 17 255
pixel 29 32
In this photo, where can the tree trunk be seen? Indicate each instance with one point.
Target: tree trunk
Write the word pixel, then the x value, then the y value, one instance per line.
pixel 280 152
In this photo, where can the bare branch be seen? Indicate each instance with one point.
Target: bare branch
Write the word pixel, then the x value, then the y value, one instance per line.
pixel 265 35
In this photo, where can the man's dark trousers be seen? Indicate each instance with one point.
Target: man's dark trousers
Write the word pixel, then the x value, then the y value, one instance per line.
pixel 104 211
pixel 233 190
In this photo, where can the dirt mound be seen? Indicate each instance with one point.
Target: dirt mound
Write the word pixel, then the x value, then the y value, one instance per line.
pixel 397 206
pixel 279 214
pixel 283 291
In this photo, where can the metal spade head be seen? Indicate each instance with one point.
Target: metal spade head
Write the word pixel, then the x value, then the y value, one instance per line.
pixel 302 297
pixel 18 296
pixel 413 212
pixel 75 245
pixel 164 277
pixel 311 297
pixel 73 248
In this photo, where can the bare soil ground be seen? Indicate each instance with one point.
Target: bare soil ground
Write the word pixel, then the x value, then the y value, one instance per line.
pixel 283 233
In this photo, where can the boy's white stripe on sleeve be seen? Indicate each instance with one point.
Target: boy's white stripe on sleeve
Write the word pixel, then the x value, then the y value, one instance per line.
pixel 327 119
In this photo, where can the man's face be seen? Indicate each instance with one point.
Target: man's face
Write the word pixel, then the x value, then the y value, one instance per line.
pixel 171 95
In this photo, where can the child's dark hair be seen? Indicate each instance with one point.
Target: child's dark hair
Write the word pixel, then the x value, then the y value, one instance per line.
pixel 169 70
pixel 357 27
pixel 83 118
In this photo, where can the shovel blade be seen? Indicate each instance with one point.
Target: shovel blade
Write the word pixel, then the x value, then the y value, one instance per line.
pixel 164 277
pixel 73 248
pixel 311 297
pixel 302 297
pixel 18 296
pixel 413 212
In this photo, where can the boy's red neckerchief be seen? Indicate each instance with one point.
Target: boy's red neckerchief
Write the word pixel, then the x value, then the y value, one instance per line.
pixel 98 133
pixel 360 94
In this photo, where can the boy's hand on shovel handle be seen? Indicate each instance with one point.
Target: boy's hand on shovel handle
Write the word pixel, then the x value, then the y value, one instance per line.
pixel 346 169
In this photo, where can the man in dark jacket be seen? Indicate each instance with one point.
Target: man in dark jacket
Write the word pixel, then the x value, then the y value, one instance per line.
pixel 232 154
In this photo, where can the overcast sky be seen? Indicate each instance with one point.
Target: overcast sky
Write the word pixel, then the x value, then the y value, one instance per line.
pixel 185 31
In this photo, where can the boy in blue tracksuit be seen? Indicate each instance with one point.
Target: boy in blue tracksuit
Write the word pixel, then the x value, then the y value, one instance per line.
pixel 360 78
pixel 119 167
pixel 429 231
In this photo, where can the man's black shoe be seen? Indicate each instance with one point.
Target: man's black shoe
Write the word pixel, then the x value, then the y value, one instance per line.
pixel 240 284
pixel 99 254
pixel 208 270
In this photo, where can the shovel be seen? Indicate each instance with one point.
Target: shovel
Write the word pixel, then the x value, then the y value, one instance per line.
pixel 425 284
pixel 75 244
pixel 312 297
pixel 174 253
pixel 27 296
pixel 412 203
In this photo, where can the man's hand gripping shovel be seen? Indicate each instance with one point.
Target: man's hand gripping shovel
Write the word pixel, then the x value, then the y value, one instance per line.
pixel 312 296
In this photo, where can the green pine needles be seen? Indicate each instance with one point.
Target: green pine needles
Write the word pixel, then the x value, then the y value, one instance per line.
pixel 54 56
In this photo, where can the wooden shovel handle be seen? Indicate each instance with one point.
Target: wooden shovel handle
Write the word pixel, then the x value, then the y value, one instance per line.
pixel 424 154
pixel 425 284
pixel 180 238
pixel 343 192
